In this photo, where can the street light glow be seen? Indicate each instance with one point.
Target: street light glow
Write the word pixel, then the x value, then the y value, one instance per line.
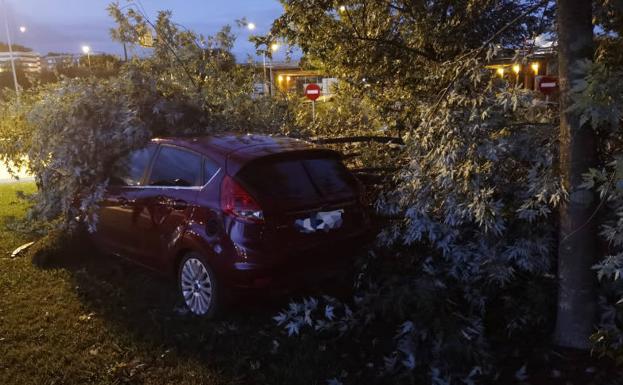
pixel 251 26
pixel 501 71
pixel 22 29
pixel 342 8
pixel 86 49
pixel 274 47
pixel 535 67
pixel 516 68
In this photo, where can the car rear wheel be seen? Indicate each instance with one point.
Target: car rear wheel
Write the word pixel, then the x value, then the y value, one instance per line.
pixel 197 285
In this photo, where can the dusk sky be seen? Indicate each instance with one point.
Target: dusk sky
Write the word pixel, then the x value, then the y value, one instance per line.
pixel 66 25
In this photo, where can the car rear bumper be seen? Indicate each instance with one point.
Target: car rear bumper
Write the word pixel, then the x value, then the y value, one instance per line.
pixel 297 269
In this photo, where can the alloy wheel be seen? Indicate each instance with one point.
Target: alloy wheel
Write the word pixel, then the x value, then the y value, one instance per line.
pixel 197 286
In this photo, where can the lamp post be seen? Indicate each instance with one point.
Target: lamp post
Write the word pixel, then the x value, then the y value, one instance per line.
pixel 251 27
pixel 273 47
pixel 11 57
pixel 87 51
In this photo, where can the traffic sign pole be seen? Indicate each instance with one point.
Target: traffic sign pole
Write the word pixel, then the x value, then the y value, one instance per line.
pixel 312 91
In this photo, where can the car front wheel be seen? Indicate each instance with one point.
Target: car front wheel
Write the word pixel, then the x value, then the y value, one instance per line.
pixel 197 285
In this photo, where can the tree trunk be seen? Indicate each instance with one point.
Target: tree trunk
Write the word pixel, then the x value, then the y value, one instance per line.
pixel 578 232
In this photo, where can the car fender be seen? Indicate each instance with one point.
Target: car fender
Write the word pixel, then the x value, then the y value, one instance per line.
pixel 195 238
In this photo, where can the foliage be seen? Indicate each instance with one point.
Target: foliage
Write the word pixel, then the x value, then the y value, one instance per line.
pixel 24 79
pixel 71 132
pixel 200 69
pixel 600 103
pixel 471 205
pixel 4 47
pixel 460 279
pixel 598 100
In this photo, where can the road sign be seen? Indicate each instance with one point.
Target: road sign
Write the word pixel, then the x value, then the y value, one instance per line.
pixel 312 91
pixel 548 84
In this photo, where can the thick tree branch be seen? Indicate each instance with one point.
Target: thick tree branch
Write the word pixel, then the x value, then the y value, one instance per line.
pixel 358 139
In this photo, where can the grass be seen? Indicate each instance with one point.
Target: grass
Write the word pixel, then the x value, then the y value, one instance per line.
pixel 93 319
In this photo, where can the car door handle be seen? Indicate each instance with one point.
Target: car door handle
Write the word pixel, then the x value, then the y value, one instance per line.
pixel 179 204
pixel 161 200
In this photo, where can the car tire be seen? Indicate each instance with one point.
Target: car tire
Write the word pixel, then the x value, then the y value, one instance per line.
pixel 198 287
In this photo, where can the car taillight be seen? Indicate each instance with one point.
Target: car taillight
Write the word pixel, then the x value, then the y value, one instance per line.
pixel 236 201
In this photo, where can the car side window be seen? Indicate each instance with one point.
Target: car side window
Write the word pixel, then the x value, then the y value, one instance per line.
pixel 129 170
pixel 209 169
pixel 176 167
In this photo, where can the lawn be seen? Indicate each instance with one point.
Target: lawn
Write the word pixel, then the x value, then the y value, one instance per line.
pixel 93 319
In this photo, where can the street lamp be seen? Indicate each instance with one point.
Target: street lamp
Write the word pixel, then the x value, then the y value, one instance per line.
pixel 11 57
pixel 87 51
pixel 516 70
pixel 273 47
pixel 22 29
pixel 251 26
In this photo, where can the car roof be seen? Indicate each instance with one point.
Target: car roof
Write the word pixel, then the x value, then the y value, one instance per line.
pixel 236 150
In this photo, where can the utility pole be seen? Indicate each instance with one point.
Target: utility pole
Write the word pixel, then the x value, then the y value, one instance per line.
pixel 11 57
pixel 577 249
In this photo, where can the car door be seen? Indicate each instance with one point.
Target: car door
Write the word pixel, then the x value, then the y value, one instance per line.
pixel 167 201
pixel 118 211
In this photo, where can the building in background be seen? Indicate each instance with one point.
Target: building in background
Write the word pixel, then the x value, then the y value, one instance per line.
pixel 291 78
pixel 28 62
pixel 540 62
pixel 53 61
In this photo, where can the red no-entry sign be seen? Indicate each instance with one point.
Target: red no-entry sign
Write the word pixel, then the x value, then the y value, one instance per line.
pixel 548 84
pixel 312 91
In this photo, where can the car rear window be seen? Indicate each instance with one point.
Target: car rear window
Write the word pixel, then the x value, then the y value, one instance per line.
pixel 286 179
pixel 290 179
pixel 330 176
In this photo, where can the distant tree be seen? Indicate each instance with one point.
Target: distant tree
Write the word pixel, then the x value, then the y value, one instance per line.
pixel 102 66
pixel 4 47
pixel 101 61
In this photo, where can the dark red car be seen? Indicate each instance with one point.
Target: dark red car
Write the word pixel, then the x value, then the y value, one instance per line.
pixel 232 211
